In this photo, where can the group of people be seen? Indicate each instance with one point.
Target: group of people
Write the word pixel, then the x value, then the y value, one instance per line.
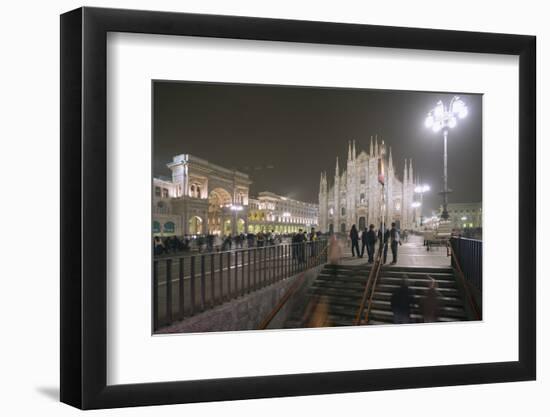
pixel 402 300
pixel 369 238
pixel 173 244
pixel 299 241
pixel 170 244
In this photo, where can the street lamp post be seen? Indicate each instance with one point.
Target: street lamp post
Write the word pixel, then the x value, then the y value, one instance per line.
pixel 421 189
pixel 443 117
pixel 415 205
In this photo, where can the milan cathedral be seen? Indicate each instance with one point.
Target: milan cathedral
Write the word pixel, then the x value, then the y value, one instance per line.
pixel 363 194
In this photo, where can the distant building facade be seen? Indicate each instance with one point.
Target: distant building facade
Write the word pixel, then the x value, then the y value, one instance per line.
pixel 465 215
pixel 272 212
pixel 354 196
pixel 203 198
pixel 200 198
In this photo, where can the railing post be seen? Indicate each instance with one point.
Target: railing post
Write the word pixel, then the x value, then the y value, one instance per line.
pixel 181 289
pixel 254 275
pixel 203 284
pixel 279 262
pixel 264 281
pixel 229 275
pixel 155 295
pixel 168 291
pixel 236 273
pixel 242 272
pixel 249 265
pixel 221 278
pixel 212 281
pixel 192 285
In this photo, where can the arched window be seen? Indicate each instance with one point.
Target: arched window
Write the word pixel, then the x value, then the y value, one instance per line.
pixel 156 227
pixel 362 197
pixel 169 227
pixel 343 211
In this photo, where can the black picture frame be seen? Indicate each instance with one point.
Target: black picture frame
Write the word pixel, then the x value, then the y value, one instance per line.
pixel 84 207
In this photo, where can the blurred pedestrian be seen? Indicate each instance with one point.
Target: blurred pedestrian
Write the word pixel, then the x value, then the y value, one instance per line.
pixel 430 305
pixel 354 236
pixel 401 300
pixel 335 250
pixel 158 246
pixel 384 242
pixel 395 242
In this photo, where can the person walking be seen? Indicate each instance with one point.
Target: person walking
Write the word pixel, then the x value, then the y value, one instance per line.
pixel 312 243
pixel 368 240
pixel 260 239
pixel 401 300
pixel 335 251
pixel 300 245
pixel 354 236
pixel 430 305
pixel 384 242
pixel 395 241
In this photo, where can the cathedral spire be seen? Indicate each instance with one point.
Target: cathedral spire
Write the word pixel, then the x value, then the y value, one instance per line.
pixel 337 171
pixel 405 180
pixel 349 150
pixel 411 176
pixel 376 146
pixel 371 148
pixel 390 161
pixel 354 155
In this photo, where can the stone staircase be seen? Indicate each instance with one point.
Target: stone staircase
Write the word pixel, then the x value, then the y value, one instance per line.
pixel 342 287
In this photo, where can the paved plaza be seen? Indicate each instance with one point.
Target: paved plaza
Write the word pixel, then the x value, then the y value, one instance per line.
pixel 410 253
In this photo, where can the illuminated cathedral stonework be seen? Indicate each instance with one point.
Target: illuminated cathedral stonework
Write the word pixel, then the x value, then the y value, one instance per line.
pixel 355 195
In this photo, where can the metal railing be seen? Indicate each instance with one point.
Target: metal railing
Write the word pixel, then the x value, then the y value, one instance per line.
pixel 186 285
pixel 370 288
pixel 469 257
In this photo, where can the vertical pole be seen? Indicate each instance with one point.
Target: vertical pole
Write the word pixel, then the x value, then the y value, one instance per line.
pixel 229 275
pixel 236 273
pixel 445 214
pixel 249 265
pixel 192 285
pixel 181 289
pixel 242 272
pixel 168 291
pixel 155 295
pixel 254 271
pixel 212 294
pixel 203 284
pixel 265 266
pixel 220 276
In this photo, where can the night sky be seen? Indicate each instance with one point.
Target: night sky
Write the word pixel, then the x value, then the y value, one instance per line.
pixel 283 137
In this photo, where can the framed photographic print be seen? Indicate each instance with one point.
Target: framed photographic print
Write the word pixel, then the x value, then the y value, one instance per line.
pixel 257 208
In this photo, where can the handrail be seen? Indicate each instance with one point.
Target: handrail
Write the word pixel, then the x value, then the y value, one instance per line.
pixel 375 270
pixel 372 291
pixel 471 301
pixel 290 292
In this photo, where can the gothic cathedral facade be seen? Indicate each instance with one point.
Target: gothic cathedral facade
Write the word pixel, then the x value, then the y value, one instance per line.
pixel 357 195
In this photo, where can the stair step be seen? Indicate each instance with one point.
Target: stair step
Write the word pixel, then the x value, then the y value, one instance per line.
pixel 419 282
pixel 445 310
pixel 395 268
pixel 420 290
pixel 415 317
pixel 379 295
pixel 344 285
